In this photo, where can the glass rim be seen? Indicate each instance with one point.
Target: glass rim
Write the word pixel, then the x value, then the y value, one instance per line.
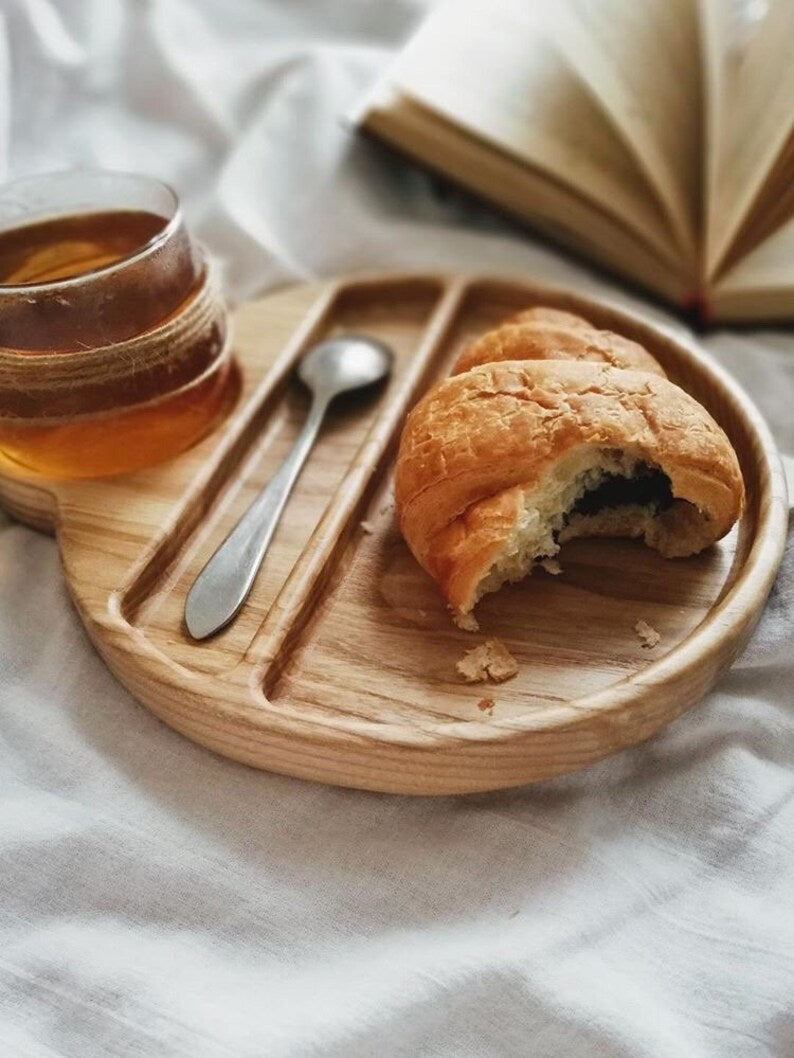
pixel 171 225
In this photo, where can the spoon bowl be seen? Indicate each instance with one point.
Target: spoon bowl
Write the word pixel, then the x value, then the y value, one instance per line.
pixel 346 362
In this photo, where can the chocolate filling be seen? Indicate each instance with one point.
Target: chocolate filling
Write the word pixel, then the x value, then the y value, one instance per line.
pixel 647 487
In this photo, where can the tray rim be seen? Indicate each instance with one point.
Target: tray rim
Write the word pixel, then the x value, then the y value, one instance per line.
pixel 246 704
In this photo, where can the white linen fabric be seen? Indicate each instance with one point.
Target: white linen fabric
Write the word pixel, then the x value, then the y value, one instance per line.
pixel 157 900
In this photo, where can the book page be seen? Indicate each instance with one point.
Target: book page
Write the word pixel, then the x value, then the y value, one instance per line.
pixel 761 285
pixel 753 113
pixel 770 265
pixel 716 31
pixel 531 195
pixel 642 62
pixel 491 68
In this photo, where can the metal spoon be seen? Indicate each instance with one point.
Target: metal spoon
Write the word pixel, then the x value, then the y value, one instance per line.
pixel 330 368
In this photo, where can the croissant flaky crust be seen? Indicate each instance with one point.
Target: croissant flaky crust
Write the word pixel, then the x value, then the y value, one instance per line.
pixel 501 464
pixel 551 334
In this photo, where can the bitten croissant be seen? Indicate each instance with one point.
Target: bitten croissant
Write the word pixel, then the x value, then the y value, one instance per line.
pixel 505 461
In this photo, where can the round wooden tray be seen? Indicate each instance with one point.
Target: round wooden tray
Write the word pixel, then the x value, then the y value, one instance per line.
pixel 341 667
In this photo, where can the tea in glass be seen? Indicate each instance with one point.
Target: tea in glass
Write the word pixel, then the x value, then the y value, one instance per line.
pixel 114 346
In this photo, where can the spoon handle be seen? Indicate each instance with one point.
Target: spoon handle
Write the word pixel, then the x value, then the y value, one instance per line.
pixel 222 586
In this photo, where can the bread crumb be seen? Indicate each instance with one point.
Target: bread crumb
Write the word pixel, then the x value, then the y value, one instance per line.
pixel 490 660
pixel 551 565
pixel 367 527
pixel 648 635
pixel 466 622
pixel 485 705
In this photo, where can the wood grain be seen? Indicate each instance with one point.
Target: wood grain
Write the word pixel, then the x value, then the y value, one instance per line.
pixel 341 667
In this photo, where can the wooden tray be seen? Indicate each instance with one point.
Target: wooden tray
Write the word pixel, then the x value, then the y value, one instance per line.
pixel 341 667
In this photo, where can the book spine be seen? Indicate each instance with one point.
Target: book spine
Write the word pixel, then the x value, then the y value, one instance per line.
pixel 697 307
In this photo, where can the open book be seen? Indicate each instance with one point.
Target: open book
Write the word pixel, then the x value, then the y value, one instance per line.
pixel 656 137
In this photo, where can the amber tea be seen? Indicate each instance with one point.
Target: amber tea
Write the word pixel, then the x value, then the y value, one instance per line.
pixel 74 245
pixel 113 343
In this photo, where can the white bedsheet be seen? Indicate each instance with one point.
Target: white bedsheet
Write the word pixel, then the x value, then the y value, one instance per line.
pixel 156 900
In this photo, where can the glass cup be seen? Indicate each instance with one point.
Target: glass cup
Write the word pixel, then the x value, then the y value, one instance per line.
pixel 114 345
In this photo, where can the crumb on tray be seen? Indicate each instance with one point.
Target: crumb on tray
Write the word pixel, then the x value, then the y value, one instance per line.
pixel 648 635
pixel 551 565
pixel 485 705
pixel 490 660
pixel 466 622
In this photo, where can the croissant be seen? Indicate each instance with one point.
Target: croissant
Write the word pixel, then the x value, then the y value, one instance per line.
pixel 502 463
pixel 550 334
